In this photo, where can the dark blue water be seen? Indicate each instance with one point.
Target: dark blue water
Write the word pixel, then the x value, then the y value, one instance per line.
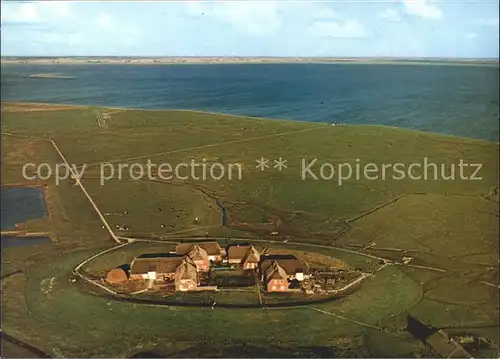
pixel 19 204
pixel 459 100
pixel 8 241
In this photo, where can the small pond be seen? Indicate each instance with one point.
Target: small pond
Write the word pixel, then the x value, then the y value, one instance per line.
pixel 9 241
pixel 19 204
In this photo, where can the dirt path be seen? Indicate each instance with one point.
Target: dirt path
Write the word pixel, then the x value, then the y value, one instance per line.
pixel 79 183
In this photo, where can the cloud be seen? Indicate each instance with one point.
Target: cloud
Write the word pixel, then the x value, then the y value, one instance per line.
pixel 470 36
pixel 390 15
pixel 253 17
pixel 58 8
pixel 349 29
pixel 19 13
pixel 260 18
pixel 324 13
pixel 491 21
pixel 29 13
pixel 423 8
pixel 104 20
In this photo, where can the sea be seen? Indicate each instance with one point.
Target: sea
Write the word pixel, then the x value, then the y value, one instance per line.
pixel 450 99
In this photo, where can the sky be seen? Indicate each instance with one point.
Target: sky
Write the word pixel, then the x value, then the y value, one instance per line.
pixel 342 28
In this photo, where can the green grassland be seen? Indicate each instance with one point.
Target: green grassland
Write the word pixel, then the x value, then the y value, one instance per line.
pixel 49 304
pixel 296 206
pixel 454 217
pixel 448 225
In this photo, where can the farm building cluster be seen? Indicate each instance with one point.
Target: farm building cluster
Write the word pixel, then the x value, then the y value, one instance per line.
pixel 187 267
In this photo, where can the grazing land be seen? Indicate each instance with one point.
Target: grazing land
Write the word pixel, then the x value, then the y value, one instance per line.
pixel 447 230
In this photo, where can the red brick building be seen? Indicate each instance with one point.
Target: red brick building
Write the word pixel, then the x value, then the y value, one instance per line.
pixel 200 258
pixel 251 259
pixel 276 278
pixel 186 277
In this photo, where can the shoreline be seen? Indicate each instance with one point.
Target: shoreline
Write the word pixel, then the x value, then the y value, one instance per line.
pixel 65 107
pixel 245 61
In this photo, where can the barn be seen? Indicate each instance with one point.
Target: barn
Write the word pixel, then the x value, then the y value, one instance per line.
pixel 155 266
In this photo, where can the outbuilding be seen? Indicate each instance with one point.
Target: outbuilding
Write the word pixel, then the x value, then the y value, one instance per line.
pixel 117 275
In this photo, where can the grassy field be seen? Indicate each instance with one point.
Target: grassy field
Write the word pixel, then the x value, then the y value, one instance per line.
pixel 454 217
pixel 449 226
pixel 263 201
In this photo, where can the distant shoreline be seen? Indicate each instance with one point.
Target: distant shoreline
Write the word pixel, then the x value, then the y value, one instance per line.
pixel 241 60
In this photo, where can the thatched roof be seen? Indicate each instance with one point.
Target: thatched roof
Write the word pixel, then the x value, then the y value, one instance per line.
pixel 288 262
pixel 186 270
pixel 197 253
pixel 161 263
pixel 213 248
pixel 252 255
pixel 116 275
pixel 238 251
pixel 275 271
